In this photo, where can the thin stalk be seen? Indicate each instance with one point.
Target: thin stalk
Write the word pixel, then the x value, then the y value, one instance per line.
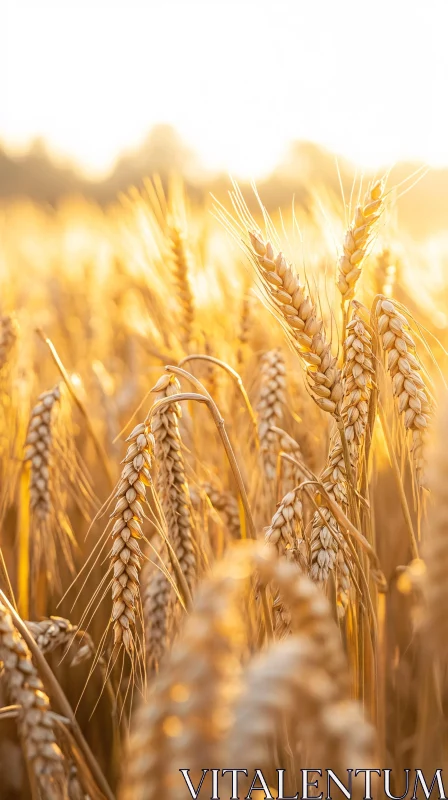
pixel 219 422
pixel 59 697
pixel 23 539
pixel 166 401
pixel 237 378
pixel 6 580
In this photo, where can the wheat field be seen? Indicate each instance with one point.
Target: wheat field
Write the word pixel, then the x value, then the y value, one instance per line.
pixel 223 498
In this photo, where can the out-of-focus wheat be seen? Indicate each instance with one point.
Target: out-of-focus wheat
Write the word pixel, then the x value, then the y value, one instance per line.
pixel 270 407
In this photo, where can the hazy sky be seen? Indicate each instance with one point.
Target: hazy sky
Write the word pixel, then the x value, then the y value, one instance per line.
pixel 238 79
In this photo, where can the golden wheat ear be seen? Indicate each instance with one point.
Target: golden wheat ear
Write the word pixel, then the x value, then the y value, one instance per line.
pixel 290 302
pixel 358 239
pixel 56 633
pixel 55 479
pixel 126 555
pixel 227 505
pixel 34 721
pixel 409 388
pixel 159 600
pixel 172 486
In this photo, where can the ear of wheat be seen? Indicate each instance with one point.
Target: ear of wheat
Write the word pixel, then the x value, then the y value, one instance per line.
pixel 158 612
pixel 172 484
pixel 270 407
pixel 293 306
pixel 56 632
pixel 358 238
pixel 35 725
pixel 226 504
pixel 51 455
pixel 357 377
pixel 413 402
pixel 181 269
pixel 128 515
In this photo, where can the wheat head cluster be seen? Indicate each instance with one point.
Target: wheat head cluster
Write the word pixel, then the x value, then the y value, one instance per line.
pixel 224 494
